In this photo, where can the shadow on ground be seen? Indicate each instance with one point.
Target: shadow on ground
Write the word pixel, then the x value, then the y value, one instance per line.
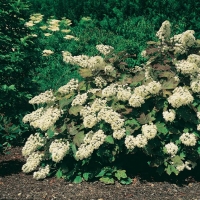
pixel 10 167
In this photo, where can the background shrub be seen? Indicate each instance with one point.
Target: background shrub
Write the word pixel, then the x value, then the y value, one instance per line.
pixel 18 58
pixel 84 129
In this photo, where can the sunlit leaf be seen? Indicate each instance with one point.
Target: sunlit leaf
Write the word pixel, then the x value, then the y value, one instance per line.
pixel 74 110
pixel 107 180
pixel 145 119
pixel 78 179
pixel 109 139
pixel 161 128
pixel 78 138
pixel 59 174
pixel 119 174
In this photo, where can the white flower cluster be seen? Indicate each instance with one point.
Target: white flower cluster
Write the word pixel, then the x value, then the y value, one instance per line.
pixel 70 37
pixel 186 67
pixel 183 41
pixel 109 90
pixel 164 32
pixel 96 63
pixel 81 60
pixel 188 139
pixel 136 100
pixel 53 25
pixel 34 19
pixel 119 134
pixel 41 173
pixel 139 141
pixel 69 87
pixel 47 52
pixel 34 115
pixel 32 162
pixel 195 85
pixel 187 165
pixel 187 38
pixel 32 143
pixel 92 63
pixel 92 141
pixel 171 148
pixel 154 87
pixel 142 92
pixel 89 112
pixel 90 120
pixel 149 131
pixel 98 104
pixel 100 82
pixel 194 58
pixel 94 90
pixel 45 97
pixel 80 99
pixel 108 69
pixel 123 93
pixel 169 115
pixel 43 118
pixel 181 96
pixel 113 118
pixel 58 149
pixel 104 49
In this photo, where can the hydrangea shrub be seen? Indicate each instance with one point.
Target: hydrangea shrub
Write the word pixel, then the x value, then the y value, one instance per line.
pixel 84 127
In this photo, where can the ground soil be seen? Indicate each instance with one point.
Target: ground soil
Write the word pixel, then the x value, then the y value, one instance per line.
pixel 16 185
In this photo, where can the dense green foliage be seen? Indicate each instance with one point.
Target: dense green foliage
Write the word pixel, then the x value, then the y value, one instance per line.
pixel 18 58
pixel 114 12
pixel 32 62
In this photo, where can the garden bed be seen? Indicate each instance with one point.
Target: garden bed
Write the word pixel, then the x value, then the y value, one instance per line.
pixel 16 185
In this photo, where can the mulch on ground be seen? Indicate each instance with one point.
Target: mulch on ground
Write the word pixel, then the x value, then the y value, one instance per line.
pixel 16 185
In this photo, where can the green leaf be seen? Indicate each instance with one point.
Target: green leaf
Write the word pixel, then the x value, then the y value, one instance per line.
pixel 73 148
pixel 66 100
pixel 161 128
pixel 74 110
pixel 170 84
pixel 120 174
pixel 78 179
pixel 72 129
pixel 168 170
pixel 126 181
pixel 59 174
pixel 145 119
pixel 86 175
pixel 82 86
pixel 12 87
pixel 78 138
pixel 182 155
pixel 109 139
pixel 132 122
pixel 177 160
pixel 101 173
pixel 107 180
pixel 198 150
pixel 50 133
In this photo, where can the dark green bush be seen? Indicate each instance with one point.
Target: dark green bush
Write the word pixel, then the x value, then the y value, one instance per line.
pixel 18 58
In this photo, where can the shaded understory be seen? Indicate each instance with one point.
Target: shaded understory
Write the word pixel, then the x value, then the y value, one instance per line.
pixel 146 185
